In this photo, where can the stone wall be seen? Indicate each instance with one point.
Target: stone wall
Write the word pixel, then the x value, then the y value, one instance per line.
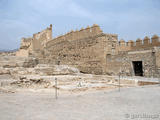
pixel 87 54
pixel 38 42
pixel 157 53
pixel 85 49
pixel 10 62
pixel 22 53
pixel 78 34
pixel 146 43
pixel 25 47
pixel 93 51
pixel 41 38
pixel 123 63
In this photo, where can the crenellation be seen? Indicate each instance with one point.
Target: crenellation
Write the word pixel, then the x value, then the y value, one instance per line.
pixel 36 43
pixel 155 39
pixel 91 50
pixel 88 31
pixel 138 42
pixel 130 43
pixel 122 43
pixel 25 43
pixel 146 41
pixel 81 34
pixel 95 29
pixel 125 46
pixel 84 33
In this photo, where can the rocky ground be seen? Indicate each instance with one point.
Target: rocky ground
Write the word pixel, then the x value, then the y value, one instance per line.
pixel 28 92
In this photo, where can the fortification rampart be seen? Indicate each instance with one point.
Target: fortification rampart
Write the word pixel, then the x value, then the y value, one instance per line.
pixel 76 35
pixel 92 51
pixel 139 44
pixel 41 38
pixel 86 49
pixel 35 43
pixel 25 43
pixel 86 54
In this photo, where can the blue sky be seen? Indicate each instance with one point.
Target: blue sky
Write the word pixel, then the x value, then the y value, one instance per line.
pixel 130 19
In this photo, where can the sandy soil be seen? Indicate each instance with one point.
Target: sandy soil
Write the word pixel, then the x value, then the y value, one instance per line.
pixel 95 105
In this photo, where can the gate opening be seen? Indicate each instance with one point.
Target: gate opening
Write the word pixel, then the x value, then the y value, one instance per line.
pixel 138 68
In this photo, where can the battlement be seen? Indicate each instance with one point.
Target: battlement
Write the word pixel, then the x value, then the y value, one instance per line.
pixel 25 43
pixel 139 43
pixel 82 33
pixel 44 33
pixel 37 42
pixel 41 38
pixel 77 34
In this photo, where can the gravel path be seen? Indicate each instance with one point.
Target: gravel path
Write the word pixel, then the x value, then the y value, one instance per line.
pixel 129 104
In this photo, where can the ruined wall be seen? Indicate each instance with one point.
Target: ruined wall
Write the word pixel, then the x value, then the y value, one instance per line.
pixel 123 62
pixel 85 49
pixel 22 53
pixel 146 43
pixel 25 47
pixel 145 50
pixel 7 53
pixel 41 38
pixel 92 51
pixel 34 45
pixel 75 35
pixel 157 53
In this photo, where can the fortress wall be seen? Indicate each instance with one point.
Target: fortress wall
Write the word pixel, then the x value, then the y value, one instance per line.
pixel 157 54
pixel 24 47
pixel 25 43
pixel 87 54
pixel 155 40
pixel 35 43
pixel 122 45
pixel 125 46
pixel 41 38
pixel 76 35
pixel 123 63
pixel 110 44
pixel 22 53
pixel 79 53
pixel 146 43
pixel 92 51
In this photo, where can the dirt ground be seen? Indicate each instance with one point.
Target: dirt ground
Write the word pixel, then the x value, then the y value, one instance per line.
pixel 139 103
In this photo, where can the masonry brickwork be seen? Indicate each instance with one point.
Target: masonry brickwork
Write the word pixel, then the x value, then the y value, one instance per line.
pixel 146 43
pixel 93 51
pixel 35 44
